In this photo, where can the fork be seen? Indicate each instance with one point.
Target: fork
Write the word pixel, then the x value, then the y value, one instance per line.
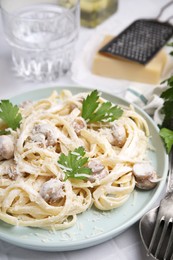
pixel 161 244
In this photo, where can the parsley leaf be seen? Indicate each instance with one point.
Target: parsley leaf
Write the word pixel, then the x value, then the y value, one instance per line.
pixel 90 104
pixel 73 164
pixel 166 131
pixel 167 110
pixel 10 114
pixel 94 111
pixel 168 94
pixel 170 44
pixel 167 136
pixel 4 132
pixel 169 82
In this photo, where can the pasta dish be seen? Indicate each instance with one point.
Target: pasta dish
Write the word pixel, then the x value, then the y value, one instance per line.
pixel 58 163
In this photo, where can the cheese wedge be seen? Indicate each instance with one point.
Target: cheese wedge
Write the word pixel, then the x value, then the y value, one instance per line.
pixel 128 70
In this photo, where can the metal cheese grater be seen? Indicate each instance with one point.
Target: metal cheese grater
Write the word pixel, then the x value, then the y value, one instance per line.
pixel 141 40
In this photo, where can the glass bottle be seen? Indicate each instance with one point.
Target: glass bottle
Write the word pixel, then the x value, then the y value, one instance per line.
pixel 94 12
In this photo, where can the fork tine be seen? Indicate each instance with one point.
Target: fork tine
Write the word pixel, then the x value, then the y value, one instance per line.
pixel 167 252
pixel 165 226
pixel 171 257
pixel 153 239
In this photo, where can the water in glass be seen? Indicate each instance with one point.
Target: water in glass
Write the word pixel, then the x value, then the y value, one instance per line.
pixel 42 38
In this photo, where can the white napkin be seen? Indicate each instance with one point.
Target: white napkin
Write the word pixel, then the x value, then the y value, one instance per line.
pixel 149 100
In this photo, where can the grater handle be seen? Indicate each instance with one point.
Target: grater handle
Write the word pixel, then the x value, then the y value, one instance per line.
pixel 163 9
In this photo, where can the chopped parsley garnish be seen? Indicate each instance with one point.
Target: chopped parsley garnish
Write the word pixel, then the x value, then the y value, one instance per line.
pixel 10 115
pixel 73 164
pixel 94 111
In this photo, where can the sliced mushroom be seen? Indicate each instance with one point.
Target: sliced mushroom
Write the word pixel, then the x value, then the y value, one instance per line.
pixel 6 147
pixel 39 138
pixel 98 170
pixel 45 133
pixel 13 171
pixel 145 176
pixel 78 124
pixel 96 166
pixel 119 135
pixel 52 191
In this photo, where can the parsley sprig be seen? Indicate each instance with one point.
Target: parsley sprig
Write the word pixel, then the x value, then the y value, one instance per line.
pixel 167 110
pixel 10 115
pixel 94 111
pixel 73 164
pixel 166 131
pixel 167 135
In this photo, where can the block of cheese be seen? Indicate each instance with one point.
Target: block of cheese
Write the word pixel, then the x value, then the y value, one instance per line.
pixel 128 70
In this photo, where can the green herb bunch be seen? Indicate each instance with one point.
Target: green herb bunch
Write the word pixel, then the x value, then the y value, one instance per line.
pixel 166 131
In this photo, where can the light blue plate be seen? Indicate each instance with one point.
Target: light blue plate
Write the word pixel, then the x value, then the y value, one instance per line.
pixel 92 227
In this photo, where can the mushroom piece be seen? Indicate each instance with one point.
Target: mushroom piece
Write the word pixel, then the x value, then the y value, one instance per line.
pixel 6 147
pixel 78 124
pixel 96 166
pixel 98 170
pixel 118 134
pixel 13 171
pixel 45 133
pixel 52 191
pixel 145 176
pixel 39 138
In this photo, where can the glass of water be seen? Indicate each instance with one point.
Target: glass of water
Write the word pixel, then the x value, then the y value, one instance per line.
pixel 42 35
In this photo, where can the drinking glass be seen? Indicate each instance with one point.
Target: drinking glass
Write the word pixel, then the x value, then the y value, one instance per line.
pixel 42 35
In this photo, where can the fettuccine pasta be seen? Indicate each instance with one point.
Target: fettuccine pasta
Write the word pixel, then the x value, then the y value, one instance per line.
pixel 33 190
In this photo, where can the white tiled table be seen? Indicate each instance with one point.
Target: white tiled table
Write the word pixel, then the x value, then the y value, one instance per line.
pixel 126 246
